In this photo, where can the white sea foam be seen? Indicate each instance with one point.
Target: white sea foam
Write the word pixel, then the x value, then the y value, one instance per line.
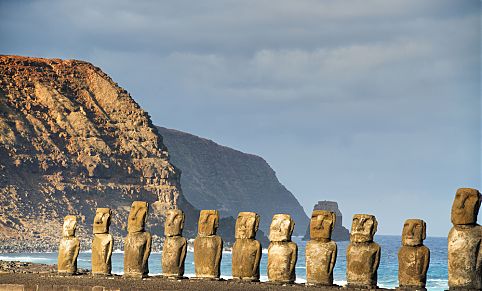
pixel 23 258
pixel 118 251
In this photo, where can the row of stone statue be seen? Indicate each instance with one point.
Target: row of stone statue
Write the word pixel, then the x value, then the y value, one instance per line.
pixel 362 255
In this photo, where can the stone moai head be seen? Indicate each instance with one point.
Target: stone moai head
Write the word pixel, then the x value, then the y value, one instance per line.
pixel 208 222
pixel 137 216
pixel 174 222
pixel 363 228
pixel 102 220
pixel 247 225
pixel 322 224
pixel 281 228
pixel 466 206
pixel 414 232
pixel 70 224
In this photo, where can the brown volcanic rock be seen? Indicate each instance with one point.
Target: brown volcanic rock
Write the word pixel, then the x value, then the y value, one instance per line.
pixel 72 140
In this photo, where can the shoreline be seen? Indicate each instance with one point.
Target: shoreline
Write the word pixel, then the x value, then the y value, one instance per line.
pixel 15 275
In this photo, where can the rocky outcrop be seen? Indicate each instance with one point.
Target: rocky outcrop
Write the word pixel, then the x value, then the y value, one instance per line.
pixel 72 140
pixel 218 177
pixel 340 233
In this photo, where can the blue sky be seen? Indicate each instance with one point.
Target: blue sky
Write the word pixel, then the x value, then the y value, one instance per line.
pixel 374 104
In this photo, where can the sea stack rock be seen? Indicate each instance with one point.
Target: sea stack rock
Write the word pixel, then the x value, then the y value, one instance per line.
pixel 174 248
pixel 320 249
pixel 282 252
pixel 137 245
pixel 413 256
pixel 103 243
pixel 339 233
pixel 464 242
pixel 208 247
pixel 362 254
pixel 246 249
pixel 69 247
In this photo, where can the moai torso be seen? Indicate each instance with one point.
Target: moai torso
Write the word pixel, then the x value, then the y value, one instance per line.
pixel 137 244
pixel 208 246
pixel 321 251
pixel 174 248
pixel 413 256
pixel 464 242
pixel 246 253
pixel 282 252
pixel 69 247
pixel 102 244
pixel 362 254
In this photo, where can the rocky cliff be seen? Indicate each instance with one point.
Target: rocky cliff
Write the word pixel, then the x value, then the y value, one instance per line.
pixel 340 233
pixel 218 177
pixel 72 140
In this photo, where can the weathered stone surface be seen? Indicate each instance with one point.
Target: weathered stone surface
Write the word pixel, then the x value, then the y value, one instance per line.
pixel 137 245
pixel 339 233
pixel 208 247
pixel 77 140
pixel 320 249
pixel 362 254
pixel 282 252
pixel 69 247
pixel 174 248
pixel 413 256
pixel 103 243
pixel 246 253
pixel 464 242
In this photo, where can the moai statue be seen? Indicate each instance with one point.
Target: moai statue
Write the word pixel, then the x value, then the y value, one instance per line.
pixel 246 249
pixel 320 249
pixel 174 248
pixel 282 252
pixel 362 254
pixel 208 247
pixel 465 242
pixel 69 247
pixel 103 243
pixel 413 256
pixel 137 245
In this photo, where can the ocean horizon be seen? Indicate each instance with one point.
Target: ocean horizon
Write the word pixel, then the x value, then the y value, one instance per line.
pixel 437 277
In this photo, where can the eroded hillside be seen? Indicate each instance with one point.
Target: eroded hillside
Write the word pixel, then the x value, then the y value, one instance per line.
pixel 72 140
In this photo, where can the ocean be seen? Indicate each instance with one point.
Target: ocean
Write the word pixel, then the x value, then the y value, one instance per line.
pixel 387 272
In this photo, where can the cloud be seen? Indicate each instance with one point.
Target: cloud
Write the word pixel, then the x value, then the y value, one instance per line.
pixel 372 103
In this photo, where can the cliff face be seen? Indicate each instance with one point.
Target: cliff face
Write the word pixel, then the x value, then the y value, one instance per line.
pixel 72 140
pixel 218 177
pixel 340 233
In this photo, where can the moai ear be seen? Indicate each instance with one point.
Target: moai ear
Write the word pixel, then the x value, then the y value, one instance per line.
pixel 424 230
pixel 333 219
pixel 256 223
pixel 147 211
pixel 375 226
pixel 182 219
pixel 216 220
pixel 477 206
pixel 292 226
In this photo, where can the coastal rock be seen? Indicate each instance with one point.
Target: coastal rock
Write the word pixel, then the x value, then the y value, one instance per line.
pixel 282 252
pixel 208 246
pixel 464 242
pixel 69 247
pixel 246 253
pixel 174 248
pixel 72 139
pixel 137 245
pixel 340 233
pixel 320 249
pixel 362 254
pixel 219 177
pixel 103 243
pixel 413 256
